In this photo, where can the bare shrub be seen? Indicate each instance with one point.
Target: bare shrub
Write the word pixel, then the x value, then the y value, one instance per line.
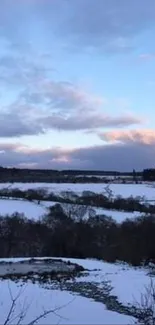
pixel 75 211
pixel 146 307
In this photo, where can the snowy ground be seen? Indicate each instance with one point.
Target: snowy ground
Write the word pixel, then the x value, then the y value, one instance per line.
pixel 32 210
pixel 119 216
pixel 74 308
pixel 69 309
pixel 128 284
pixel 125 190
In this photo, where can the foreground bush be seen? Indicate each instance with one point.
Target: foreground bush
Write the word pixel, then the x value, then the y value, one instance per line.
pixel 100 237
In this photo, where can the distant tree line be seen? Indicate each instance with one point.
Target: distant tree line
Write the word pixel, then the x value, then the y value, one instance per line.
pixel 57 234
pixel 62 176
pixel 149 174
pixel 104 200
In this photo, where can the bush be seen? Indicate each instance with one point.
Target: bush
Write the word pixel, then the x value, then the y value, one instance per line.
pixel 59 234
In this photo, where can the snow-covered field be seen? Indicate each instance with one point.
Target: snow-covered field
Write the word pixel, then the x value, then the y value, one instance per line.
pixel 32 210
pixel 128 285
pixel 125 190
pixel 119 216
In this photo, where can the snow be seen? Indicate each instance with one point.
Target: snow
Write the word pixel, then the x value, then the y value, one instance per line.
pixel 128 282
pixel 35 211
pixel 69 309
pixel 119 216
pixel 125 190
pixel 31 210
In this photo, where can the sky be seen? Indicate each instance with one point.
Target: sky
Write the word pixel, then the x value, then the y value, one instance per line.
pixel 77 81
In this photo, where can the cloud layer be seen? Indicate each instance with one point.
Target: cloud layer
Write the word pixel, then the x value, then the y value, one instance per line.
pixel 102 24
pixel 120 157
pixel 36 102
pixel 143 136
pixel 43 104
pixel 105 25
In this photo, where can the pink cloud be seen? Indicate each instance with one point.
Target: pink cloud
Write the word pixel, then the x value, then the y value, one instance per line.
pixel 145 136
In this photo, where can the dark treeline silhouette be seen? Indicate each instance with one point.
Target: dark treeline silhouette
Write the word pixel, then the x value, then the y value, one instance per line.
pixel 62 176
pixel 57 234
pixel 88 198
pixel 149 174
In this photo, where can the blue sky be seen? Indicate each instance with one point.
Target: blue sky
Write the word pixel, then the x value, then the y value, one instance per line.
pixel 77 83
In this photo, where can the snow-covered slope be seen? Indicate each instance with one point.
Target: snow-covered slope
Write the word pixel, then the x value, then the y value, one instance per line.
pixel 31 210
pixel 128 282
pixel 35 211
pixel 73 308
pixel 124 190
pixel 69 308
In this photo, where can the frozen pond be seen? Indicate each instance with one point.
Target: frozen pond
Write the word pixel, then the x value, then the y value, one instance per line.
pixel 37 266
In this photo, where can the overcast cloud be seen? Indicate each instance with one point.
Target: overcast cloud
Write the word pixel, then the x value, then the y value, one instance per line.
pixel 88 24
pixel 120 157
pixel 35 100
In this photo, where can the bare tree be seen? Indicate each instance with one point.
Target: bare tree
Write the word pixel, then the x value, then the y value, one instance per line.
pixel 146 307
pixel 108 192
pixel 75 211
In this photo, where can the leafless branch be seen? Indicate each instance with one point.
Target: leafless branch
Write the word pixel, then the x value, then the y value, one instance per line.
pixel 10 315
pixel 52 311
pixel 18 319
pixel 146 307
